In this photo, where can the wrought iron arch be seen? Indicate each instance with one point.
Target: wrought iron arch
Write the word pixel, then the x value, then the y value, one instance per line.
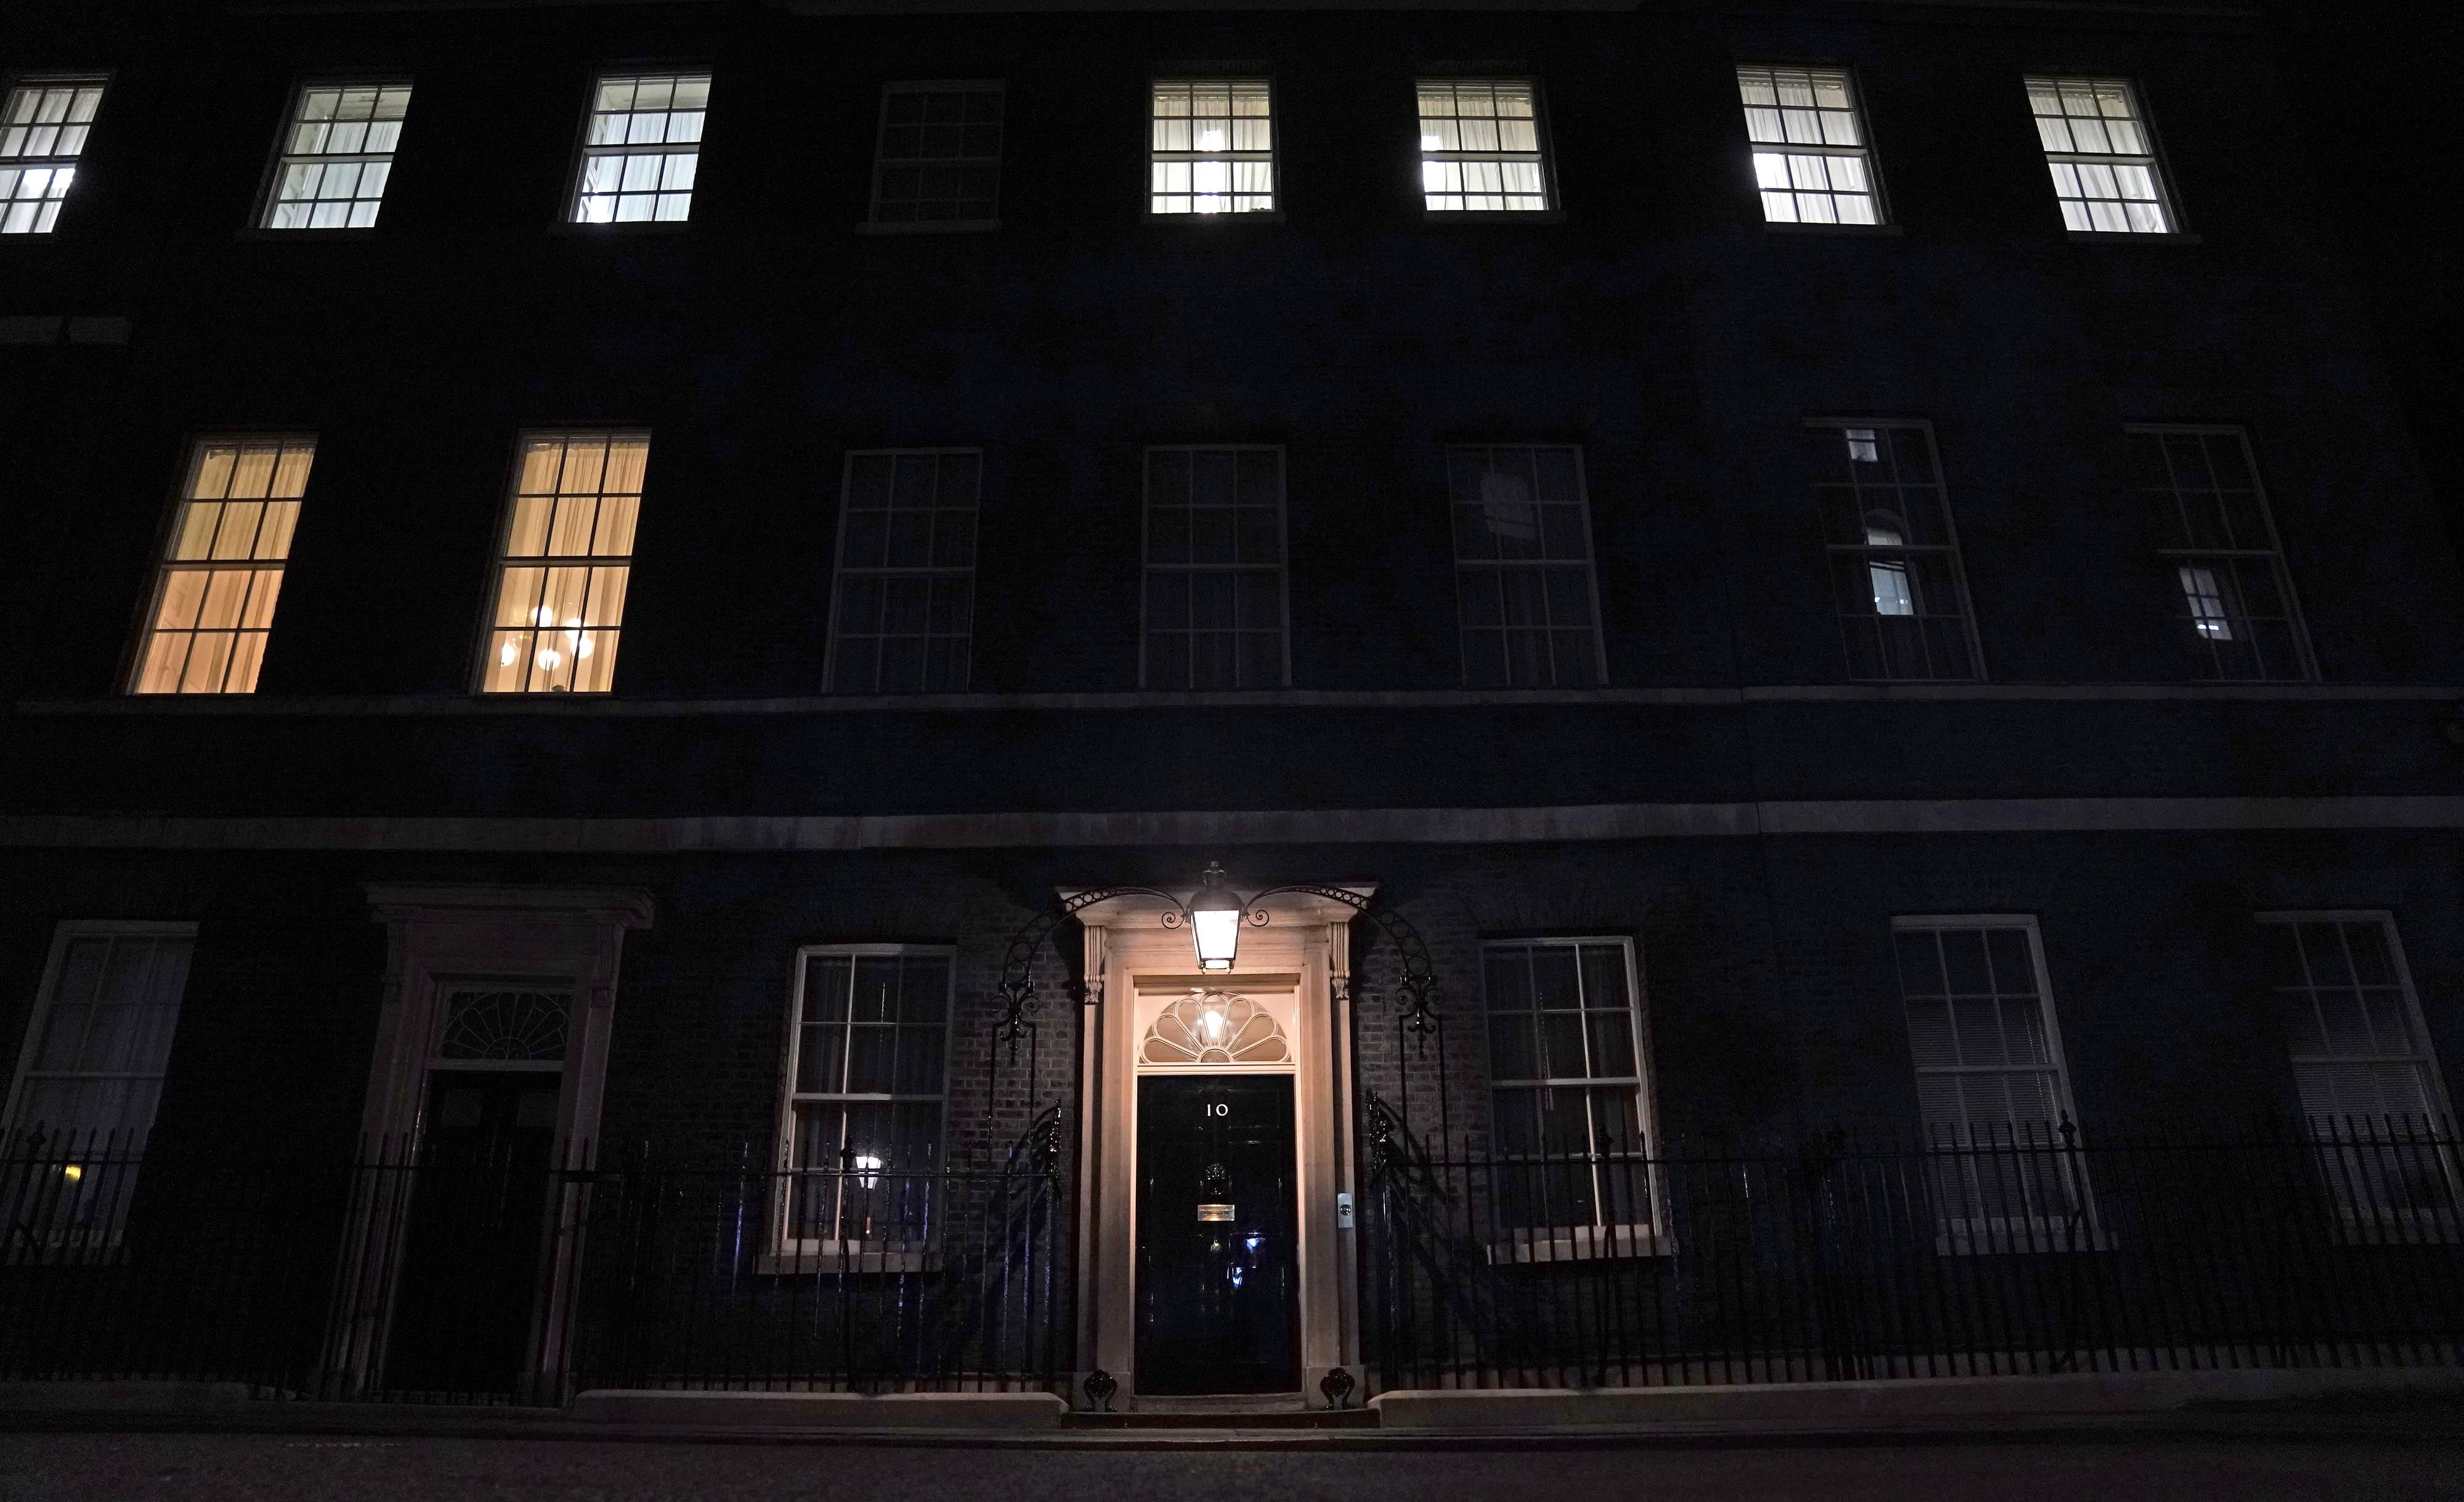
pixel 1417 1005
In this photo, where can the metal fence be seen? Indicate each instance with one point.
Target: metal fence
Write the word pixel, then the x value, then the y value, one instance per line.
pixel 847 1278
pixel 407 1275
pixel 397 1274
pixel 2027 1251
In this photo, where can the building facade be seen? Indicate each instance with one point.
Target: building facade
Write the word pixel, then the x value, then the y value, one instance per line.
pixel 581 574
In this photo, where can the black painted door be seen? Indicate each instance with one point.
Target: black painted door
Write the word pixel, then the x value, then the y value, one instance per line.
pixel 470 1266
pixel 1219 1264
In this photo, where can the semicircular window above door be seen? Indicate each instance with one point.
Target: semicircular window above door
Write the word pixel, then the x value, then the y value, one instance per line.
pixel 1213 1028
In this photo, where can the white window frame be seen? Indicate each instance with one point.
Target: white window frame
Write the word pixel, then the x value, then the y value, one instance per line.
pixel 586 151
pixel 1148 567
pixel 2412 1224
pixel 166 564
pixel 1765 149
pixel 105 1184
pixel 1541 157
pixel 271 201
pixel 2150 160
pixel 791 1252
pixel 1839 429
pixel 54 161
pixel 1158 157
pixel 1995 1234
pixel 501 562
pixel 1603 1237
pixel 1506 566
pixel 2179 560
pixel 840 569
pixel 63 934
pixel 873 222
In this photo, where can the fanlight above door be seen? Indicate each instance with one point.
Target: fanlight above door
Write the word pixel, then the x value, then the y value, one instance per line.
pixel 1213 1028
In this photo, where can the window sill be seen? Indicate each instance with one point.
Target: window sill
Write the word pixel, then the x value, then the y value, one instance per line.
pixel 1849 232
pixel 2394 1228
pixel 1998 1238
pixel 338 232
pixel 1581 1244
pixel 833 1259
pixel 1263 216
pixel 1492 216
pixel 2126 237
pixel 931 227
pixel 613 228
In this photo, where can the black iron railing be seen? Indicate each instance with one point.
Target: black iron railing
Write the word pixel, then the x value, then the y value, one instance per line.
pixel 508 1277
pixel 850 1278
pixel 2022 1252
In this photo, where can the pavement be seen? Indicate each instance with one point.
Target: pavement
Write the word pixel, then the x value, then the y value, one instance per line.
pixel 2359 1456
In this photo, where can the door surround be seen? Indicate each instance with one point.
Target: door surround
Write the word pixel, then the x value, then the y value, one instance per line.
pixel 438 940
pixel 1297 965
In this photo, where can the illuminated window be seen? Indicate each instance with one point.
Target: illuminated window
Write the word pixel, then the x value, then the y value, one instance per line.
pixel 1567 1083
pixel 1896 575
pixel 939 157
pixel 222 568
pixel 1811 162
pixel 1480 146
pixel 2103 161
pixel 2219 546
pixel 641 149
pixel 1212 149
pixel 901 617
pixel 1525 598
pixel 1991 1089
pixel 43 129
pixel 336 154
pixel 868 1072
pixel 1214 611
pixel 568 553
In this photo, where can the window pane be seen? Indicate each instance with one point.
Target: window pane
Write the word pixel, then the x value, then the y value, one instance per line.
pixel 903 611
pixel 337 157
pixel 102 1035
pixel 642 149
pixel 866 1115
pixel 1480 146
pixel 215 592
pixel 2235 600
pixel 2103 170
pixel 1522 566
pixel 576 498
pixel 43 128
pixel 1822 178
pixel 1565 1071
pixel 1214 578
pixel 1210 146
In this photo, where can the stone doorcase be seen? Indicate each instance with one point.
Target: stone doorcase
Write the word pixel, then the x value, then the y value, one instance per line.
pixel 439 937
pixel 1295 969
pixel 558 947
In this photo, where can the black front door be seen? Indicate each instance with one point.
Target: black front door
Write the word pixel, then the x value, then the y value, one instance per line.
pixel 470 1251
pixel 1219 1264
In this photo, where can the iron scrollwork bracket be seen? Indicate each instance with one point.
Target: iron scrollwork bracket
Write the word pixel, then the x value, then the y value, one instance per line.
pixel 1419 1002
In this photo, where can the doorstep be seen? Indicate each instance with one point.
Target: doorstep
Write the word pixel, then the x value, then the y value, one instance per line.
pixel 1888 1404
pixel 663 1407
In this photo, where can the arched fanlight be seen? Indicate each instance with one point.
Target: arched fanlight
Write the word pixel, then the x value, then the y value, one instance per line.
pixel 1215 915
